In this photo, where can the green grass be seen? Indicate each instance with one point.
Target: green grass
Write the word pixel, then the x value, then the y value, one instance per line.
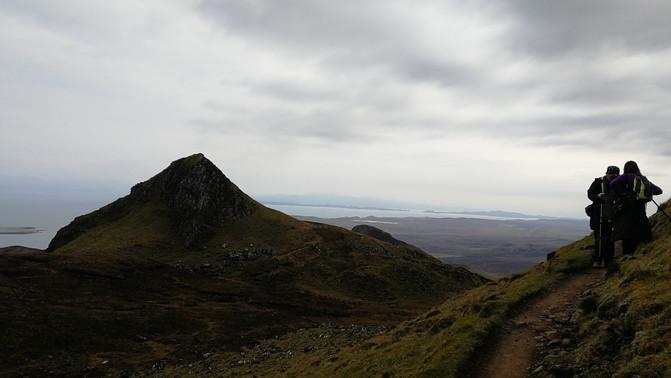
pixel 440 343
pixel 637 308
pixel 315 264
pixel 145 231
pixel 628 328
pixel 625 325
pixel 443 342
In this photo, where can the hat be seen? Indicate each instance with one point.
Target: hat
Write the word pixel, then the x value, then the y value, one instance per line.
pixel 613 170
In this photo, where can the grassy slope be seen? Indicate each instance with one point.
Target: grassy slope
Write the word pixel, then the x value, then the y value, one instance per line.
pixel 439 343
pixel 315 255
pixel 626 331
pixel 443 341
pixel 123 292
pixel 625 327
pixel 628 328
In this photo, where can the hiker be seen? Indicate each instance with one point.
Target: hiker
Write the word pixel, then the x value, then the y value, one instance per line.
pixel 630 221
pixel 600 220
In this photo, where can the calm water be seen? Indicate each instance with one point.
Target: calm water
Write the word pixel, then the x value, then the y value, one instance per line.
pixel 50 215
pixel 45 213
pixel 337 212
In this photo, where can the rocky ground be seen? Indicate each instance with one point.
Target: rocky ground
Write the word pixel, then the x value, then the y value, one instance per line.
pixel 534 340
pixel 531 344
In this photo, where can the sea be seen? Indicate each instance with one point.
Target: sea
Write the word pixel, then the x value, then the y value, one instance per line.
pixel 50 217
pixel 45 213
pixel 347 212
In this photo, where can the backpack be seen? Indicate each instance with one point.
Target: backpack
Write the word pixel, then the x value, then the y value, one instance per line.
pixel 642 189
pixel 639 192
pixel 589 210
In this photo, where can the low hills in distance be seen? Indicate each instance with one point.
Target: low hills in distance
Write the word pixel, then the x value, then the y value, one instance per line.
pixel 315 200
pixel 495 243
pixel 189 276
pixel 491 246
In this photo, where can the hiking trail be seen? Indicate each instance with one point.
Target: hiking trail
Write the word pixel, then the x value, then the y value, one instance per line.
pixel 538 327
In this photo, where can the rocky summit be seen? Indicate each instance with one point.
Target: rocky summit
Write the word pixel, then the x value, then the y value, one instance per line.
pixel 196 195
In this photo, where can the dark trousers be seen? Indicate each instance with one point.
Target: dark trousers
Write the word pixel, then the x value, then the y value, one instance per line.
pixel 629 246
pixel 604 246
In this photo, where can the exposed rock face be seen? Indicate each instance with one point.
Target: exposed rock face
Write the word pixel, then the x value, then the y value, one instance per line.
pixel 377 234
pixel 199 197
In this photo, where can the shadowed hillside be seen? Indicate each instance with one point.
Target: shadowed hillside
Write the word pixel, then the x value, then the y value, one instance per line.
pixel 495 247
pixel 187 266
pixel 622 328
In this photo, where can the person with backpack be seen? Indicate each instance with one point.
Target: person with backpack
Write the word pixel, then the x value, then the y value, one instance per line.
pixel 630 221
pixel 600 220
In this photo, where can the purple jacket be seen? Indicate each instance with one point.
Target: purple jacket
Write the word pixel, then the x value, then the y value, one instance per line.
pixel 625 182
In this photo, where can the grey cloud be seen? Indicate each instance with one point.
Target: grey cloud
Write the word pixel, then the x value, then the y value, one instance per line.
pixel 548 29
pixel 595 92
pixel 309 83
pixel 324 24
pixel 328 124
pixel 295 92
pixel 602 130
pixel 442 73
pixel 360 50
pixel 339 36
pixel 82 22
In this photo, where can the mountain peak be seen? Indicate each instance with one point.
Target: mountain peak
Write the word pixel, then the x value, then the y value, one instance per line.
pixel 193 193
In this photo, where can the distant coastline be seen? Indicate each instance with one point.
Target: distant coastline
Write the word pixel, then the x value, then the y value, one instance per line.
pixel 279 203
pixel 494 214
pixel 19 230
pixel 344 211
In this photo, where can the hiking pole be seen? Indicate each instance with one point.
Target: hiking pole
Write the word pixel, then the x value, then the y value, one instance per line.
pixel 660 209
pixel 600 255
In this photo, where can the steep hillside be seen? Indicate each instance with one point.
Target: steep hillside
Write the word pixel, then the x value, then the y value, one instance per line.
pixel 622 328
pixel 625 325
pixel 186 266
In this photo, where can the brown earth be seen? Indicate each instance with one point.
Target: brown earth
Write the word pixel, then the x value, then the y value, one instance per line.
pixel 540 328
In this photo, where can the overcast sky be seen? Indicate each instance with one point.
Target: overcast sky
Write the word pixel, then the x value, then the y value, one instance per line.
pixel 482 105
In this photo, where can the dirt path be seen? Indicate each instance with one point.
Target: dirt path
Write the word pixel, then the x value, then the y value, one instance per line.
pixel 538 325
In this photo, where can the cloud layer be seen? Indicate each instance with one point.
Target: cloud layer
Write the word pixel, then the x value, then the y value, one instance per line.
pixel 512 105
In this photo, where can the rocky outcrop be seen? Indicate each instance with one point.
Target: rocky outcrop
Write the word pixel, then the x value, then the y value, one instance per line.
pixel 197 195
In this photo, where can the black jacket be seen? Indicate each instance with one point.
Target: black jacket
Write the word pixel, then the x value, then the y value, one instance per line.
pixel 600 185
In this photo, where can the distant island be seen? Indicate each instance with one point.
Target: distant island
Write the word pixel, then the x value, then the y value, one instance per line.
pixel 335 206
pixel 19 230
pixel 495 213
